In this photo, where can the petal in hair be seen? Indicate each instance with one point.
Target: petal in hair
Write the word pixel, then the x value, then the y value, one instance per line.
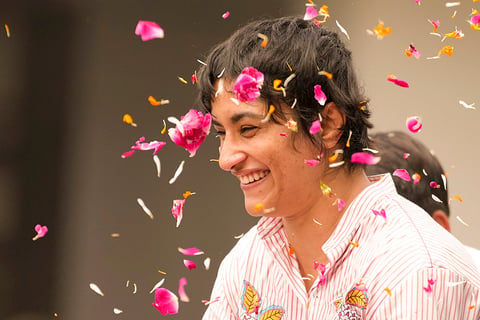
pixel 402 174
pixel 248 84
pixel 365 158
pixel 319 94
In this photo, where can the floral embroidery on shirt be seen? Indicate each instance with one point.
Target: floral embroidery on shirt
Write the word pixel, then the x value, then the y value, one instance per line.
pixel 251 306
pixel 354 304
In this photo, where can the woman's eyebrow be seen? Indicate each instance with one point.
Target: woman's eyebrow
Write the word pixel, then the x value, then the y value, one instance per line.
pixel 238 116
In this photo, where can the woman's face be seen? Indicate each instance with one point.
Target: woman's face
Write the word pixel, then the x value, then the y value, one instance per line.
pixel 272 173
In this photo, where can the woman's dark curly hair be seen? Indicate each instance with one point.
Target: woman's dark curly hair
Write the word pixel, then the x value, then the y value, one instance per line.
pixel 305 49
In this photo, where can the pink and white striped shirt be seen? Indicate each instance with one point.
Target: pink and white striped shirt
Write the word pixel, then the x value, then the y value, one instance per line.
pixel 403 267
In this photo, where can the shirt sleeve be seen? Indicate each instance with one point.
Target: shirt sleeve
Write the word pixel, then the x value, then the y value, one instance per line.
pixel 223 297
pixel 432 293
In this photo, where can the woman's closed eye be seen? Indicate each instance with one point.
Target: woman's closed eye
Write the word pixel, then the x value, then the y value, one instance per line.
pixel 248 131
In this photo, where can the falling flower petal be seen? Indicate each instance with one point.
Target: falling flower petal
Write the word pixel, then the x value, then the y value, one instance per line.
pixel 149 30
pixel 406 155
pixel 7 30
pixel 177 210
pixel 128 120
pixel 315 127
pixel 365 158
pixel 462 222
pixel 457 197
pixel 380 213
pixel 475 22
pixel 207 302
pixel 41 232
pixel 400 83
pixel 177 172
pixel 326 74
pixel 144 207
pixel 380 31
pixel 156 160
pixel 189 264
pixel 190 251
pixel 191 130
pixel 466 105
pixel 457 34
pixel 154 102
pixel 181 290
pixel 340 204
pixel 435 24
pixel 165 301
pixel 342 29
pixel 319 94
pixel 96 289
pixel 117 311
pixel 411 51
pixel 437 199
pixel 388 291
pixel 158 285
pixel 144 146
pixel 452 4
pixel 187 194
pixel 182 80
pixel 248 84
pixel 226 15
pixel 414 124
pixel 310 13
pixel 402 174
pixel 206 263
pixel 326 190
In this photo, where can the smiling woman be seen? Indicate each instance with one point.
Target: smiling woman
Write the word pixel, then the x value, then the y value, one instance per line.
pixel 293 128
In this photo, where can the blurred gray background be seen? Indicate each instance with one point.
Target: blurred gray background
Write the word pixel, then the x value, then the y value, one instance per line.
pixel 71 69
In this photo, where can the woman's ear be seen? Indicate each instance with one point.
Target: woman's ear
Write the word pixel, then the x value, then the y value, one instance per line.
pixel 441 218
pixel 332 122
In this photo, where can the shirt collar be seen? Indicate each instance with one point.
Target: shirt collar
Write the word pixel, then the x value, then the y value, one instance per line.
pixel 356 212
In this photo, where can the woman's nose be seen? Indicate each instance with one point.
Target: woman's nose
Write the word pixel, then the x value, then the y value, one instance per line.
pixel 230 154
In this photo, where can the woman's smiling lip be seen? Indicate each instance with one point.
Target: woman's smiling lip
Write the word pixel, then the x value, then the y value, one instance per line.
pixel 251 178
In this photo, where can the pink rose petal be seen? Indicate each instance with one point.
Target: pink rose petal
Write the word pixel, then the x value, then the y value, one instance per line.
pixel 406 155
pixel 165 301
pixel 144 146
pixel 312 162
pixel 189 264
pixel 41 231
pixel 475 19
pixel 226 15
pixel 177 210
pixel 365 158
pixel 380 213
pixel 414 124
pixel 149 30
pixel 341 203
pixel 315 127
pixel 190 251
pixel 248 84
pixel 319 94
pixel 402 174
pixel 310 13
pixel 191 130
pixel 181 290
pixel 400 83
pixel 433 184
